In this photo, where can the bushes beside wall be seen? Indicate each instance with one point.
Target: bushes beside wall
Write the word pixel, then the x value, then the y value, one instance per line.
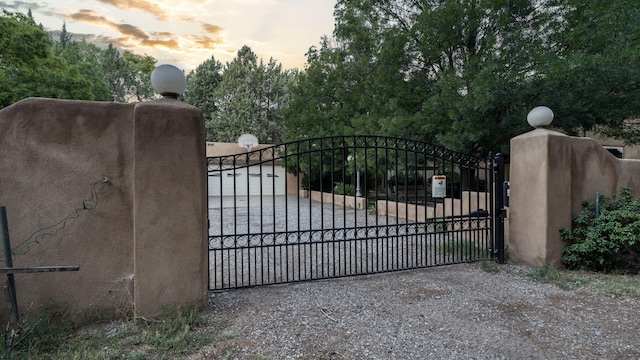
pixel 344 189
pixel 605 236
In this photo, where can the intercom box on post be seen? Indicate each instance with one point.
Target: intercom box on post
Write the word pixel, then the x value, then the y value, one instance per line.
pixel 439 186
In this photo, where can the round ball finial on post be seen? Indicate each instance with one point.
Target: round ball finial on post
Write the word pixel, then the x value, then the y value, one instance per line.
pixel 540 116
pixel 168 81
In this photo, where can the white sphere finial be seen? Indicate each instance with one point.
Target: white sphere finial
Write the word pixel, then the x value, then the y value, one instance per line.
pixel 168 81
pixel 540 116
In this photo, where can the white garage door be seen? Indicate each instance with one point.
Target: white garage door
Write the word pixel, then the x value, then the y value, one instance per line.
pixel 245 181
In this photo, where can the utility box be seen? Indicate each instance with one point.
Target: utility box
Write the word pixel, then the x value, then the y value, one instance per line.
pixel 506 193
pixel 439 186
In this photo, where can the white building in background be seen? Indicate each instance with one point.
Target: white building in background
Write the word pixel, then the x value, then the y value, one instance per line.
pixel 260 178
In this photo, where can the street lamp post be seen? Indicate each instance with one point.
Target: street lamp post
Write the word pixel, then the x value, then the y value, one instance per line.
pixel 358 194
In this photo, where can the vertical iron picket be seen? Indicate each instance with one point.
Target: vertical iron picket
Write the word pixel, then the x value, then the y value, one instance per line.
pixel 500 212
pixel 394 224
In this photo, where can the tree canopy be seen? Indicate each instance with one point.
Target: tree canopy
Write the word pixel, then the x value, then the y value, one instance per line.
pixel 34 63
pixel 28 68
pixel 243 96
pixel 592 76
pixel 463 74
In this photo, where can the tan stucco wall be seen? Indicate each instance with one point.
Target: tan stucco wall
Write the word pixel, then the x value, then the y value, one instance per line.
pixel 144 244
pixel 551 175
pixel 350 202
pixel 170 207
pixel 629 151
pixel 448 207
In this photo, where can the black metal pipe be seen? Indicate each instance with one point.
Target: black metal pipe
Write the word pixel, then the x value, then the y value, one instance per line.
pixel 6 244
pixel 8 262
pixel 500 211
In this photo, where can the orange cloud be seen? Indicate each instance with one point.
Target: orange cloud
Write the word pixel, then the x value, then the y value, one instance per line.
pixel 212 29
pixel 91 17
pixel 140 5
pixel 206 42
pixel 133 36
pixel 171 44
pixel 88 16
pixel 130 32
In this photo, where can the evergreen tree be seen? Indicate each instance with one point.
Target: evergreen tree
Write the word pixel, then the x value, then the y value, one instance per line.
pixel 85 58
pixel 243 96
pixel 201 85
pixel 238 107
pixel 137 76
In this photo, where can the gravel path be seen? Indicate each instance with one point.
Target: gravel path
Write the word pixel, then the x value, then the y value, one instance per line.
pixel 451 312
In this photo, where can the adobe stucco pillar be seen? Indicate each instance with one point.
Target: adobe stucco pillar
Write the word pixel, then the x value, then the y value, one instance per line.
pixel 170 214
pixel 540 197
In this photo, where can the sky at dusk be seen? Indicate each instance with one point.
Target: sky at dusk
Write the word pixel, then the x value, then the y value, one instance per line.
pixel 187 32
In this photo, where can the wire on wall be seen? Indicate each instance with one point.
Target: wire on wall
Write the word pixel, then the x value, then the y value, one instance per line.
pixel 52 230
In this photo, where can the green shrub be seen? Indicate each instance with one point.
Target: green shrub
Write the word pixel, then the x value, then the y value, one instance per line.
pixel 410 178
pixel 344 189
pixel 608 243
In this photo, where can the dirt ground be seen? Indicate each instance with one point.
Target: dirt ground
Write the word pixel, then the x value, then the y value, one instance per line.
pixel 450 312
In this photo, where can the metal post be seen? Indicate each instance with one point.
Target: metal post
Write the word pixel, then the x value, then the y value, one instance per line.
pixel 500 211
pixel 10 288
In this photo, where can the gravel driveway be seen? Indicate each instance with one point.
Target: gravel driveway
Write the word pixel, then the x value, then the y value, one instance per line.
pixel 451 312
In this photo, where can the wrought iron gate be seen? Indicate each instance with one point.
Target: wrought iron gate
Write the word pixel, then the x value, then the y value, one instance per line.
pixel 348 205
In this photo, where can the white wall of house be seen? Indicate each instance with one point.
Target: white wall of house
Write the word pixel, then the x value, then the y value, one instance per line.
pixel 265 179
pixel 249 181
